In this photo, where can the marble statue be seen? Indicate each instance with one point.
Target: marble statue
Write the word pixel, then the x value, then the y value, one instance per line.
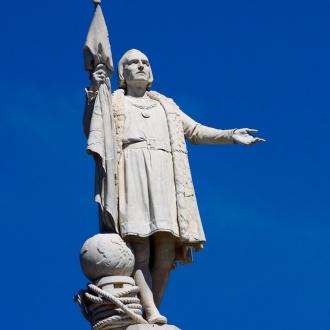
pixel 143 183
pixel 157 208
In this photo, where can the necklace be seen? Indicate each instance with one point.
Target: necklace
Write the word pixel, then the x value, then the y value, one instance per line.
pixel 143 103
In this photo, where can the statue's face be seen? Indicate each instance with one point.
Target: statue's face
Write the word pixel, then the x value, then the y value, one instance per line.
pixel 136 69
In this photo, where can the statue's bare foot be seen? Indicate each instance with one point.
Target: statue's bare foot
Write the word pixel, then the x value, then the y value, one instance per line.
pixel 157 319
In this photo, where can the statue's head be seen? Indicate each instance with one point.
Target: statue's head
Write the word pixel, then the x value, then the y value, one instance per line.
pixel 134 67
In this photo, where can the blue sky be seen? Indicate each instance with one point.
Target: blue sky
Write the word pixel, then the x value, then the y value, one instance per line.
pixel 265 208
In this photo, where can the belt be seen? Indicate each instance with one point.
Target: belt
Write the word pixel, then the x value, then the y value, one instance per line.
pixel 151 144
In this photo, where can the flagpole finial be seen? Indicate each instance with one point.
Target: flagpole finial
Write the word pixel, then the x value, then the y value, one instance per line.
pixel 97 3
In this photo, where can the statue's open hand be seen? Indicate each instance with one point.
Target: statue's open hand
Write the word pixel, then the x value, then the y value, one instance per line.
pixel 243 136
pixel 98 77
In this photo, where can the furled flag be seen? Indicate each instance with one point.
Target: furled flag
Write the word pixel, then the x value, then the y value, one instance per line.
pixel 99 124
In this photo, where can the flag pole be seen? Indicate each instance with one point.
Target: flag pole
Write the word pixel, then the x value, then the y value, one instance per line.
pixel 101 128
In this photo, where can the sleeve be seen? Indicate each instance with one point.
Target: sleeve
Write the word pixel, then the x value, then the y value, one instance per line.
pixel 200 134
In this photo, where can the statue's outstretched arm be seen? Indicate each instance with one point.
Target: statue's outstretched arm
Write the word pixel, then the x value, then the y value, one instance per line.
pixel 200 134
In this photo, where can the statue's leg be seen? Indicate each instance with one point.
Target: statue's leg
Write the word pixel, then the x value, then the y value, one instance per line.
pixel 163 258
pixel 142 277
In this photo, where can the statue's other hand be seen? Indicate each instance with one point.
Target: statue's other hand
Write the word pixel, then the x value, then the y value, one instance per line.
pixel 98 77
pixel 243 136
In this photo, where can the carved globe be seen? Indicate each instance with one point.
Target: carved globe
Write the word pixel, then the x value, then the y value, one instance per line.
pixel 106 255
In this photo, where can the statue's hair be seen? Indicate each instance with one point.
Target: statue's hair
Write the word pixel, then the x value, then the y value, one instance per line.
pixel 120 70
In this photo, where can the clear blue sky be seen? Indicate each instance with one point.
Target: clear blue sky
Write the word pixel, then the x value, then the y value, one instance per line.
pixel 265 208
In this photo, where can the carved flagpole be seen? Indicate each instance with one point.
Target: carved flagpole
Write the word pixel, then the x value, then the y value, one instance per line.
pixel 101 130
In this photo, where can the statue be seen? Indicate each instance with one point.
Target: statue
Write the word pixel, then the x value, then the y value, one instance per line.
pixel 143 182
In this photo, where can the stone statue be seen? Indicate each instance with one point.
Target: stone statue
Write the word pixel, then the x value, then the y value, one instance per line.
pixel 143 182
pixel 156 201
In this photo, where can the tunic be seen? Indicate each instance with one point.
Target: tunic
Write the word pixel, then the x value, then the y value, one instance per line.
pixel 147 202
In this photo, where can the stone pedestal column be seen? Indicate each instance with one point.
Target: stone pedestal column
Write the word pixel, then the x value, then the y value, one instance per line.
pixel 152 327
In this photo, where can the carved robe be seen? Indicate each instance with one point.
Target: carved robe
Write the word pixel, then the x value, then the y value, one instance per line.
pixel 180 126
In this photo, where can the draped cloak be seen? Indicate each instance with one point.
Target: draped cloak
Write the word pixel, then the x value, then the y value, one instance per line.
pixel 188 218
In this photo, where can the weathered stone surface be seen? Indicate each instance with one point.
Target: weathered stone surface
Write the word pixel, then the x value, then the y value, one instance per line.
pixel 106 255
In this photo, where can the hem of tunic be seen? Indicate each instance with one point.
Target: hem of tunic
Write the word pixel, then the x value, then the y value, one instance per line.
pixel 128 234
pixel 147 228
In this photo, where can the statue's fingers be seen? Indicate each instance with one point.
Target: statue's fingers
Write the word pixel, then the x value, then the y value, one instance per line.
pixel 251 130
pixel 100 66
pixel 97 76
pixel 260 140
pixel 100 77
pixel 99 73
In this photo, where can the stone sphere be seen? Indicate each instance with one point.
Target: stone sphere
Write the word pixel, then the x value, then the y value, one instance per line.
pixel 106 255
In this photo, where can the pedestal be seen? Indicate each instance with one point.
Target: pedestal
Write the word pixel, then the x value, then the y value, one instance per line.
pixel 152 327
